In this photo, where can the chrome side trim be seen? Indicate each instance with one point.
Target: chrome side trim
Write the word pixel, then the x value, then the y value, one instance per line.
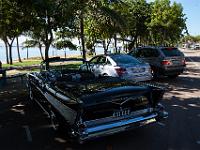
pixel 66 112
pixel 57 94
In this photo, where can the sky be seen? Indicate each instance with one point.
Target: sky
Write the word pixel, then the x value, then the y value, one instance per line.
pixel 191 8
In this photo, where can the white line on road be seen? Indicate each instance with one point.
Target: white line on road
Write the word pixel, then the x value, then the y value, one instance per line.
pixel 28 133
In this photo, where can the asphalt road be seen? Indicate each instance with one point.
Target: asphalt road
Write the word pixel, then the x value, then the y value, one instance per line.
pixel 24 126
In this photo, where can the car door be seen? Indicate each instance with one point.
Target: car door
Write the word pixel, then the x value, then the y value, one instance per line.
pixel 152 56
pixel 149 55
pixel 98 66
pixel 93 65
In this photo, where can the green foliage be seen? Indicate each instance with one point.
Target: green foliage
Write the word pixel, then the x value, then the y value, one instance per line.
pixel 167 22
pixel 29 43
pixel 158 23
pixel 102 23
pixel 191 38
pixel 137 14
pixel 65 44
pixel 49 16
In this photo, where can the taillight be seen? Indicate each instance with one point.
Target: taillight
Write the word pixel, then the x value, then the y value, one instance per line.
pixel 120 71
pixel 166 62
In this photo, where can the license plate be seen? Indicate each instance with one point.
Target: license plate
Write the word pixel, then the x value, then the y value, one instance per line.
pixel 120 113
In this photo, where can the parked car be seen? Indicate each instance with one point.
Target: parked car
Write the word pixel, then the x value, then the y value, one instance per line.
pixel 168 61
pixel 197 46
pixel 120 65
pixel 88 107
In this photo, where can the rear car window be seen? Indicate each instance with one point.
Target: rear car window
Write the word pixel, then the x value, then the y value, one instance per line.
pixel 125 59
pixel 171 52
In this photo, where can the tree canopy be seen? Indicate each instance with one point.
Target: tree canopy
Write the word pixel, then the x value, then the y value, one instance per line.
pixel 160 22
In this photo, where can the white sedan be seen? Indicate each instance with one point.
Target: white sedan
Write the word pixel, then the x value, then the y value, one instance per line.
pixel 119 65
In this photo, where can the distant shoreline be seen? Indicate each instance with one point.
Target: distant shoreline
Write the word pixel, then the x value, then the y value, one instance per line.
pixel 39 58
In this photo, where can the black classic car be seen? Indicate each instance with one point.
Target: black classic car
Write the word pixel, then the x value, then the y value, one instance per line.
pixel 88 107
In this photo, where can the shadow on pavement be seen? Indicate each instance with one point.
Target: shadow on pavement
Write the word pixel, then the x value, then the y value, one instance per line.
pixel 179 131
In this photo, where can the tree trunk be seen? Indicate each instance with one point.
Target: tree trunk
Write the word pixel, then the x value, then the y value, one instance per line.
pixel 104 47
pixel 132 44
pixel 47 51
pixel 10 51
pixel 40 48
pixel 47 45
pixel 19 57
pixel 82 35
pixel 6 46
pixel 27 53
pixel 115 42
pixel 10 54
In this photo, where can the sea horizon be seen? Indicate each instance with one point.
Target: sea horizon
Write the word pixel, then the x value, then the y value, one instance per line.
pixel 34 52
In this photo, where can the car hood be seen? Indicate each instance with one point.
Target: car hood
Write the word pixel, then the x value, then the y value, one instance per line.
pixel 102 90
pixel 113 93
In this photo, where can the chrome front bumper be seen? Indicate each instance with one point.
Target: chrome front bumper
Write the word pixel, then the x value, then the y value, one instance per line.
pixel 116 126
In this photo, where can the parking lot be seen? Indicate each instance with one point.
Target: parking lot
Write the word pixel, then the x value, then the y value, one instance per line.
pixel 24 126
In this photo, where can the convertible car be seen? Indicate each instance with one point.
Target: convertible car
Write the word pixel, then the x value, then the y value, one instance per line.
pixel 89 107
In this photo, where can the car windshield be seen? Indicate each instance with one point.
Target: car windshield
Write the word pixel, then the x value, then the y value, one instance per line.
pixel 171 52
pixel 125 59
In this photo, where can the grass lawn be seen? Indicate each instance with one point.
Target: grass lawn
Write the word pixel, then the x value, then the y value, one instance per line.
pixel 29 65
pixel 24 63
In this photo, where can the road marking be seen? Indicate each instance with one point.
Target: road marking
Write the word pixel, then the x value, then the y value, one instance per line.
pixel 28 133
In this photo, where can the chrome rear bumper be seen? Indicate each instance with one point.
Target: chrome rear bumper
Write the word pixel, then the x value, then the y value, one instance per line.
pixel 116 126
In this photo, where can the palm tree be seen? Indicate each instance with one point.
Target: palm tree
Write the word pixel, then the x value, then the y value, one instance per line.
pixel 100 17
pixel 34 43
pixel 19 57
pixel 6 46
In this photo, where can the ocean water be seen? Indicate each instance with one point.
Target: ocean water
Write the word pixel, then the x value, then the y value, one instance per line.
pixel 34 52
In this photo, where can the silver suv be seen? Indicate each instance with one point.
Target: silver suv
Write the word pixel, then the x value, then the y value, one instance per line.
pixel 168 61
